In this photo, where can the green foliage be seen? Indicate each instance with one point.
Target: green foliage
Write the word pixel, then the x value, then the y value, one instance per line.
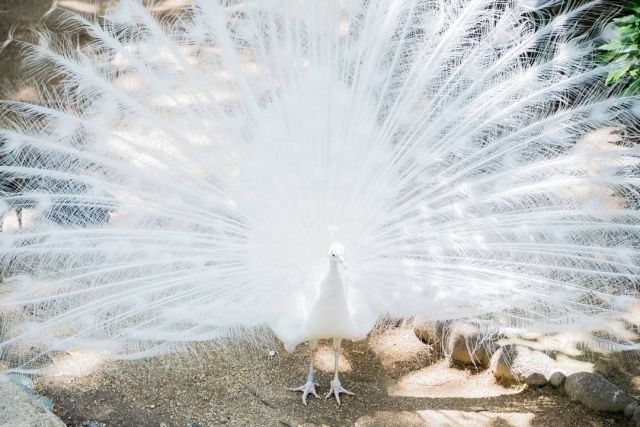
pixel 624 50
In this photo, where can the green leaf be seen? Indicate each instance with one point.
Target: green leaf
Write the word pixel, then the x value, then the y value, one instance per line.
pixel 634 88
pixel 613 45
pixel 628 49
pixel 629 19
pixel 616 75
pixel 606 56
pixel 624 50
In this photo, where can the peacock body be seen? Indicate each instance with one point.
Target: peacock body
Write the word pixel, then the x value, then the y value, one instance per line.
pixel 314 167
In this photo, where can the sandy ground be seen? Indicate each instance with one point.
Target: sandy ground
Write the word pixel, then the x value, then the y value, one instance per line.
pixel 398 381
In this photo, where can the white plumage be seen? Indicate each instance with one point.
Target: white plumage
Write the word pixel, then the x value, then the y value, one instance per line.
pixel 213 170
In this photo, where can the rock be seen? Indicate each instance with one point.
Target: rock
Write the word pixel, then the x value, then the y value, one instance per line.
pixel 557 378
pixel 630 409
pixel 467 345
pixel 596 393
pixel 17 408
pixel 463 342
pixel 518 364
pixel 430 332
pixel 636 416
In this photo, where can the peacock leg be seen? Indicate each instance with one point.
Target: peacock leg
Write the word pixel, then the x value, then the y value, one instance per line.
pixel 336 387
pixel 310 386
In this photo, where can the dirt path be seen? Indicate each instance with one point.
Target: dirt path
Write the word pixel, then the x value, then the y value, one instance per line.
pixel 398 381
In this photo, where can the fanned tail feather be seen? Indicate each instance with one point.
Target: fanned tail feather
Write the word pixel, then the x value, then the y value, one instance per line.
pixel 188 175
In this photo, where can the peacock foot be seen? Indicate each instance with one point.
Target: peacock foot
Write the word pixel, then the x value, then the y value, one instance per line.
pixel 308 388
pixel 336 389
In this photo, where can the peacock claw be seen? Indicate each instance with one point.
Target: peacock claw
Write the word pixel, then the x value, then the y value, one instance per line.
pixel 336 389
pixel 308 388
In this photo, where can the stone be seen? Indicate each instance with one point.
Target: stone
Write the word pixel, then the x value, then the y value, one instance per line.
pixel 463 342
pixel 596 393
pixel 430 332
pixel 557 378
pixel 18 408
pixel 513 364
pixel 466 344
pixel 630 409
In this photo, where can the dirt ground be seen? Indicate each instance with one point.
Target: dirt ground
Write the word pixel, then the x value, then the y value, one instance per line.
pixel 398 381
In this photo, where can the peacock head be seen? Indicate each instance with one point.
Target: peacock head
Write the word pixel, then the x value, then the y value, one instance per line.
pixel 336 254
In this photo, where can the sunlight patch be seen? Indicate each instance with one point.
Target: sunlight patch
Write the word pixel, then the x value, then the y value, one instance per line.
pixel 441 381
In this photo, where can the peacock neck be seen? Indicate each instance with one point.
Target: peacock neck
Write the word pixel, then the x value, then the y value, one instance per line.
pixel 333 285
pixel 334 271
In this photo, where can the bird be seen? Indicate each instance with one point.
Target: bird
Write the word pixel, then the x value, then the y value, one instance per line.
pixel 329 316
pixel 314 168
